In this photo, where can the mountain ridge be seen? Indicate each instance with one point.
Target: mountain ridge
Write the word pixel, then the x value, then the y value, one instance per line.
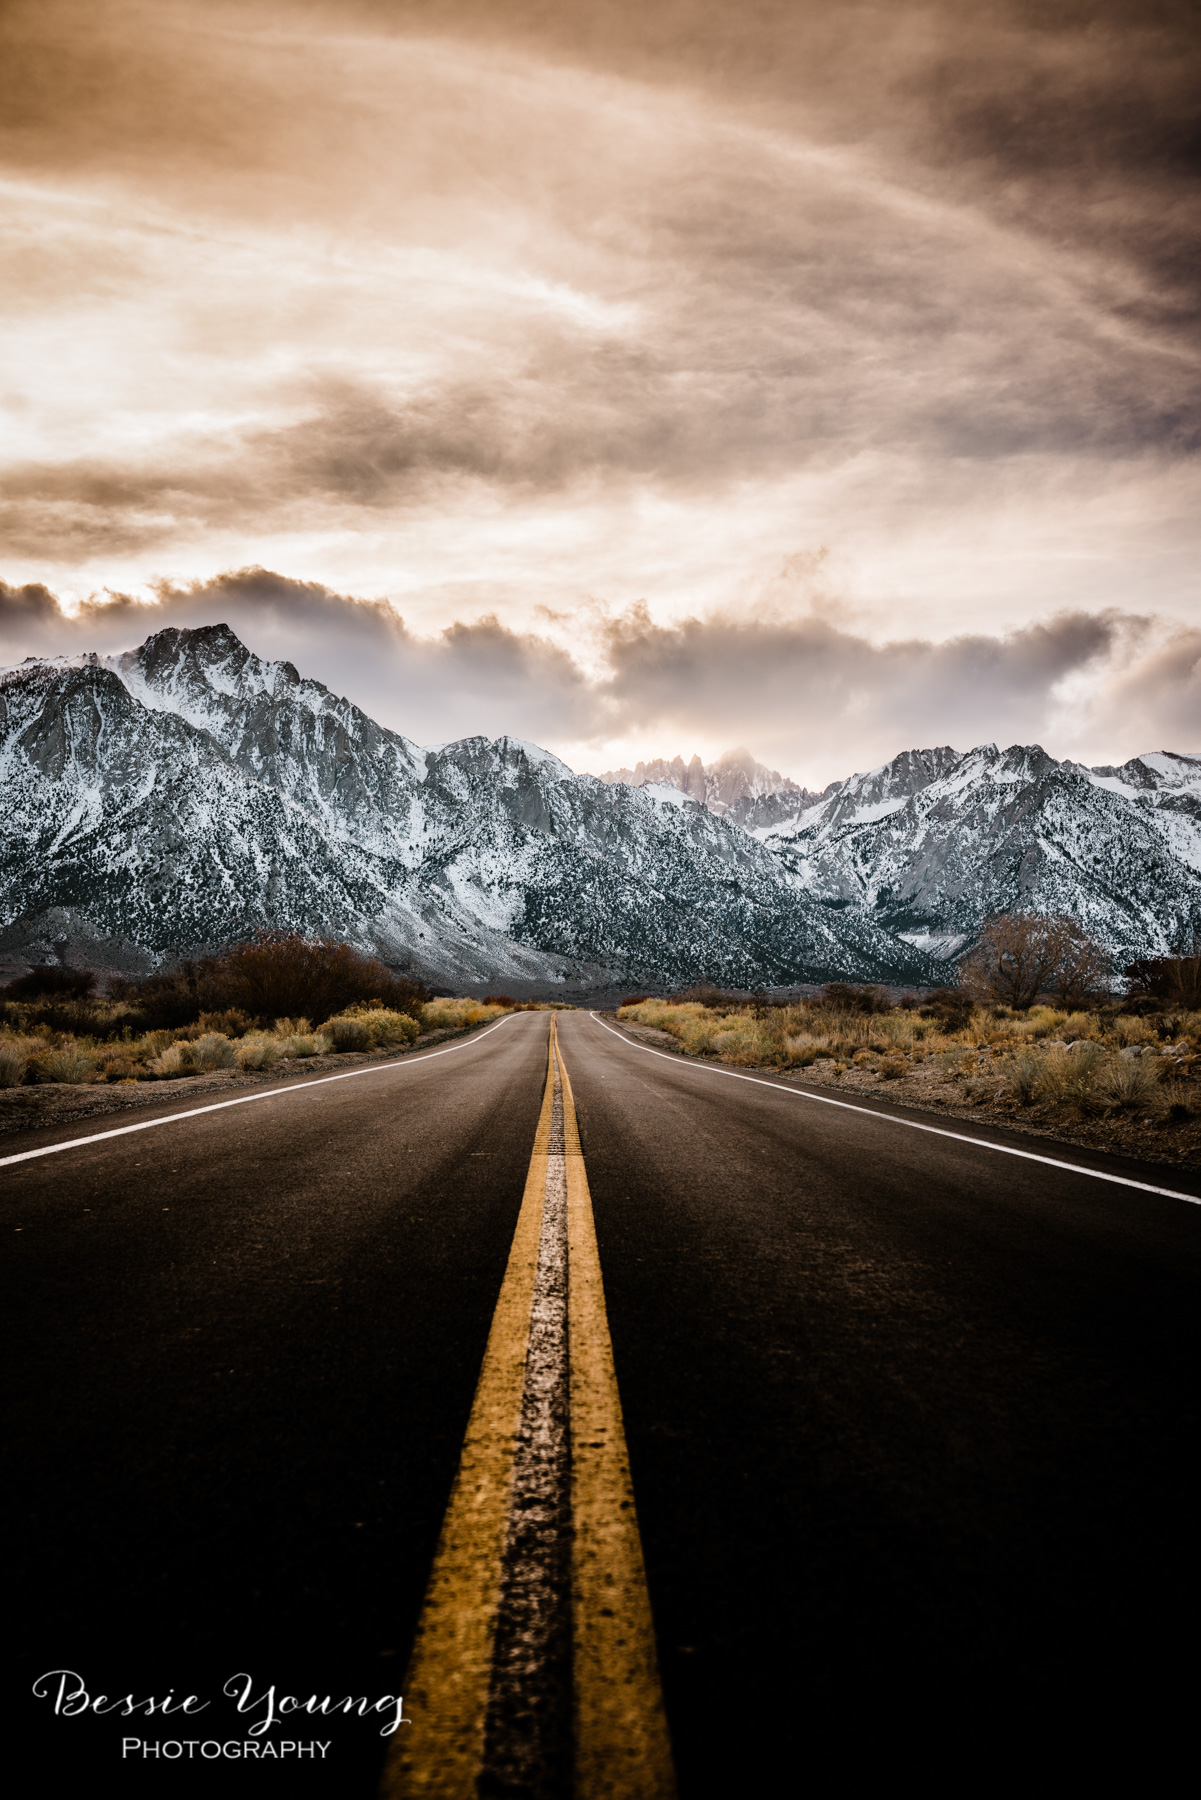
pixel 165 800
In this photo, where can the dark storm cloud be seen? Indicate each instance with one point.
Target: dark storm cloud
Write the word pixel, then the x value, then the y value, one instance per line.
pixel 471 679
pixel 810 677
pixel 813 687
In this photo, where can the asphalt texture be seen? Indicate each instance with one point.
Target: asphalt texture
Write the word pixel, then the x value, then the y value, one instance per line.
pixel 243 1350
pixel 911 1424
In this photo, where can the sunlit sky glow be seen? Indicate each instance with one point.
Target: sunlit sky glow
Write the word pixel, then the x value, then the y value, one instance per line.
pixel 819 378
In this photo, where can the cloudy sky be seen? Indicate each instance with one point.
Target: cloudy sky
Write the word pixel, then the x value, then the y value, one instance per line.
pixel 637 378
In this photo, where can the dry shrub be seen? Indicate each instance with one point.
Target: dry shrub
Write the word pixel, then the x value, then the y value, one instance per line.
pixel 1129 1030
pixel 55 981
pixel 892 1067
pixel 1045 1022
pixel 69 1064
pixel 14 1063
pixel 347 1034
pixel 175 1060
pixel 668 1015
pixel 257 1050
pixel 370 1028
pixel 1070 1077
pixel 213 1051
pixel 898 1030
pixel 446 1013
pixel 949 1007
pixel 1020 1077
pixel 125 1067
pixel 276 975
pixel 231 1023
pixel 1130 1080
pixel 840 996
pixel 294 1037
pixel 740 1041
pixel 387 1027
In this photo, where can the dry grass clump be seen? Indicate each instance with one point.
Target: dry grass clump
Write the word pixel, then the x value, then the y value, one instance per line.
pixel 1070 1077
pixel 1130 1081
pixel 296 1037
pixel 1129 1030
pixel 1087 1079
pixel 195 1056
pixel 1073 1062
pixel 14 1060
pixel 257 1050
pixel 214 1051
pixel 370 1028
pixel 70 1064
pixel 444 1012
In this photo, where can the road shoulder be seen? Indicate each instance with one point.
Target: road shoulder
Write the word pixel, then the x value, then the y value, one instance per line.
pixel 1136 1153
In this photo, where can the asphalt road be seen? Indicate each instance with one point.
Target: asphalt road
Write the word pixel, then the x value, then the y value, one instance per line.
pixel 910 1423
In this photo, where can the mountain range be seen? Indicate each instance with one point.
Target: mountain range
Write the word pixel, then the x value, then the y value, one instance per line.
pixel 181 795
pixel 185 794
pixel 934 841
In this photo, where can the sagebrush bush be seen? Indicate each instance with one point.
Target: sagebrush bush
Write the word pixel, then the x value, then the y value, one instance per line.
pixel 1069 1077
pixel 445 1012
pixel 388 1027
pixel 174 1061
pixel 348 1034
pixel 1130 1081
pixel 1021 1077
pixel 257 1050
pixel 1133 1030
pixel 214 1051
pixel 14 1061
pixel 69 1064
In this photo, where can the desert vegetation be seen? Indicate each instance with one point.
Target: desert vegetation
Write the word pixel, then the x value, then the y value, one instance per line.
pixel 278 999
pixel 1093 1062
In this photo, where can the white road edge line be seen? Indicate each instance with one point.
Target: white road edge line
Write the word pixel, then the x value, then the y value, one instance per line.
pixel 960 1137
pixel 298 1087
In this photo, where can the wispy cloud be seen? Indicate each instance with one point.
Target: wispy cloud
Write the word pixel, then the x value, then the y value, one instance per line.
pixel 285 282
pixel 488 310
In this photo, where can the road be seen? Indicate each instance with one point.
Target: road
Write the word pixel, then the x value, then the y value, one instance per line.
pixel 909 1422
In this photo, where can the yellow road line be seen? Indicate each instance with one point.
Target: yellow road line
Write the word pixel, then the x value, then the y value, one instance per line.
pixel 621 1745
pixel 622 1749
pixel 446 1687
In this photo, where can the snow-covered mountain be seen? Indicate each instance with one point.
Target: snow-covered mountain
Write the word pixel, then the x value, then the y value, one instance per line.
pixel 184 794
pixel 733 778
pixel 936 840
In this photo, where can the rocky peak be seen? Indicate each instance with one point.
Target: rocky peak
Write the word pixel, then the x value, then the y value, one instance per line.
pixel 734 779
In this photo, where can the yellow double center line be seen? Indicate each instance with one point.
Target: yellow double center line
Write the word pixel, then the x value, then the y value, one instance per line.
pixel 620 1746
